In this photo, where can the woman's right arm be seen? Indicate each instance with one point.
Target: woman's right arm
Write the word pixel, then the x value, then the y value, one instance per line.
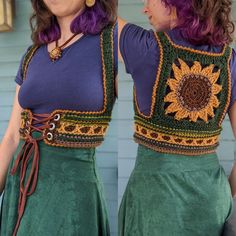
pixel 10 140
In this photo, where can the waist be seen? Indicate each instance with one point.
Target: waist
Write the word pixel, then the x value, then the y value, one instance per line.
pixel 87 152
pixel 64 128
pixel 176 142
pixel 152 161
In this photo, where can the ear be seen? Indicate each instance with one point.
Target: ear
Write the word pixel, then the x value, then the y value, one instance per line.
pixel 173 13
pixel 173 17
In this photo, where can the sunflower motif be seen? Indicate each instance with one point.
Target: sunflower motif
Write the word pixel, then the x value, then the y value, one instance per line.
pixel 193 92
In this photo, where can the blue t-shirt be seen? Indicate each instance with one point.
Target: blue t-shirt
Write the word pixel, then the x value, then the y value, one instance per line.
pixel 73 82
pixel 141 54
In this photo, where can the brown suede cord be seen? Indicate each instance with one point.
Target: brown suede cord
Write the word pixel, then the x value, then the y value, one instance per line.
pixel 30 146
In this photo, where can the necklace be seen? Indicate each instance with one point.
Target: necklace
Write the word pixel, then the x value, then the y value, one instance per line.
pixel 55 54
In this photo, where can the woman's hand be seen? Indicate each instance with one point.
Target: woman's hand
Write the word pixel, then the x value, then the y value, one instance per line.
pixel 232 177
pixel 121 24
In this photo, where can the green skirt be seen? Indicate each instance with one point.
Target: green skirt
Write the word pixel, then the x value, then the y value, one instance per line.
pixel 175 195
pixel 68 199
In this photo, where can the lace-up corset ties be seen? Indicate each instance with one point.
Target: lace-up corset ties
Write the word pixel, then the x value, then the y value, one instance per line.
pixel 30 147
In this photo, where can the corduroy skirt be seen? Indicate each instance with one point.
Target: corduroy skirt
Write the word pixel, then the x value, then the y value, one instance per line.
pixel 68 199
pixel 175 195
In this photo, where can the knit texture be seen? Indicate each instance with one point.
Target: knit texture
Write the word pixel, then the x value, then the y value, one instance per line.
pixel 190 98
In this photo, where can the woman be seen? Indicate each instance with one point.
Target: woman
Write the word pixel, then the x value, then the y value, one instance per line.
pixel 184 84
pixel 66 91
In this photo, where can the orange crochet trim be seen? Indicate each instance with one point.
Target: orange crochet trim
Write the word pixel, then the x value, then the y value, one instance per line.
pixel 155 85
pixel 88 144
pixel 173 151
pixel 82 129
pixel 104 80
pixel 173 139
pixel 178 132
pixel 194 50
pixel 229 89
pixel 112 45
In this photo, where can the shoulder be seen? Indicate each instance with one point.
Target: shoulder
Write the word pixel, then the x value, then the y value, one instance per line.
pixel 109 36
pixel 138 46
pixel 27 55
pixel 233 66
pixel 135 36
pixel 111 28
pixel 23 61
pixel 232 61
pixel 233 57
pixel 28 50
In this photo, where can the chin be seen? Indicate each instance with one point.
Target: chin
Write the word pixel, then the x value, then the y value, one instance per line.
pixel 57 9
pixel 60 12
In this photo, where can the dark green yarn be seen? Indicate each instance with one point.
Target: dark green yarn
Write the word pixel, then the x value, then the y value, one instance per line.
pixel 159 120
pixel 175 146
pixel 109 66
pixel 75 138
pixel 158 128
pixel 73 117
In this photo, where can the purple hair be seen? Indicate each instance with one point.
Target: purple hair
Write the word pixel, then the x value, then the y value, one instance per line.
pixel 204 21
pixel 91 21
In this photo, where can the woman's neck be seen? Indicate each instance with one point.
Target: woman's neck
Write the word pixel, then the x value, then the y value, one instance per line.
pixel 64 23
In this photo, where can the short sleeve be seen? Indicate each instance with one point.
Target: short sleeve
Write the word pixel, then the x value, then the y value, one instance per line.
pixel 18 78
pixel 115 44
pixel 141 55
pixel 138 47
pixel 233 79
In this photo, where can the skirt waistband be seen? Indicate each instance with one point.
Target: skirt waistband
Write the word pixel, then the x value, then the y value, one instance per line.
pixel 149 160
pixel 86 152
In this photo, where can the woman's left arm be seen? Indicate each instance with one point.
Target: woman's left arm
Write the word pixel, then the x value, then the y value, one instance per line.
pixel 121 25
pixel 232 177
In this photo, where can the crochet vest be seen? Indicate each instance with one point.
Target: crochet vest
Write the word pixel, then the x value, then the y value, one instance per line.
pixel 190 98
pixel 73 128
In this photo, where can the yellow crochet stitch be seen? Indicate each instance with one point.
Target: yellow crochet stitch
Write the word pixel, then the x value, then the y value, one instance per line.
pixel 193 92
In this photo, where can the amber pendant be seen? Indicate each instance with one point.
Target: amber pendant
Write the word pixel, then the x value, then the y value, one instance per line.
pixel 55 54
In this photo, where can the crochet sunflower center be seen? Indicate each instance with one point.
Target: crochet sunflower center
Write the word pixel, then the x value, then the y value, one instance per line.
pixel 194 92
